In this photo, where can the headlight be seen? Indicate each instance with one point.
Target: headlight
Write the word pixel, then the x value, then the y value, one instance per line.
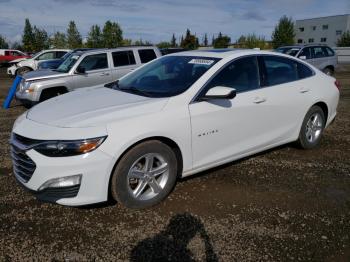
pixel 24 85
pixel 69 148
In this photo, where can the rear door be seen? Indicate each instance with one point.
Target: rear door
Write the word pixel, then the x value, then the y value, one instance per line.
pixel 288 92
pixel 123 63
pixel 97 71
pixel 43 57
pixel 320 59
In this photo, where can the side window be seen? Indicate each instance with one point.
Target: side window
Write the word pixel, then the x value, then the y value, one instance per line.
pixel 328 51
pixel 46 56
pixel 318 52
pixel 304 71
pixel 59 54
pixel 94 62
pixel 305 52
pixel 280 70
pixel 123 58
pixel 146 55
pixel 242 74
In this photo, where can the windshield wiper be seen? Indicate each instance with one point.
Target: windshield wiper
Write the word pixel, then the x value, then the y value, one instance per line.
pixel 135 91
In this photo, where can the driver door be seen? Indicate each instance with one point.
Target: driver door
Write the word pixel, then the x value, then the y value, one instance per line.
pixel 224 128
pixel 97 71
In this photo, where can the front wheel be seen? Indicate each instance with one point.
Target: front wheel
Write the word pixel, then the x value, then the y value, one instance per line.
pixel 145 175
pixel 312 128
pixel 21 71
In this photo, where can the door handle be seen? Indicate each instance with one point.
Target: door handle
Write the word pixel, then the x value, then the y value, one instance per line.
pixel 104 74
pixel 259 100
pixel 304 90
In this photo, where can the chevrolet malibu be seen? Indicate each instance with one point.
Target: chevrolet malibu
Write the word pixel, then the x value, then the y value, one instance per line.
pixel 173 117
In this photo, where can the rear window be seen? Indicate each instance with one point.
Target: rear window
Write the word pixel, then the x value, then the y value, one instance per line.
pixel 280 70
pixel 304 71
pixel 123 58
pixel 147 55
pixel 328 51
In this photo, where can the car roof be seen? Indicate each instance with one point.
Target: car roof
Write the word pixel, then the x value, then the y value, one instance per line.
pixel 95 50
pixel 302 45
pixel 221 52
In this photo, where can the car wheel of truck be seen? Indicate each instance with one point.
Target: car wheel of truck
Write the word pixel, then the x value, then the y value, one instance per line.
pixel 328 71
pixel 21 71
pixel 145 175
pixel 50 93
pixel 312 128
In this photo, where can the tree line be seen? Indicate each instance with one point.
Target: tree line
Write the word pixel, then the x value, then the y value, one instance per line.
pixel 110 35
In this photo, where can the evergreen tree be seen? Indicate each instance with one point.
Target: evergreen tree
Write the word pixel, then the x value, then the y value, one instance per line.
pixel 3 43
pixel 112 35
pixel 94 39
pixel 28 36
pixel 73 36
pixel 58 40
pixel 173 41
pixel 212 40
pixel 164 45
pixel 205 42
pixel 344 40
pixel 41 40
pixel 284 32
pixel 190 41
pixel 222 41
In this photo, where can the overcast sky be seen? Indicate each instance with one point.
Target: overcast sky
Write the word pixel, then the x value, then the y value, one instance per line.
pixel 156 20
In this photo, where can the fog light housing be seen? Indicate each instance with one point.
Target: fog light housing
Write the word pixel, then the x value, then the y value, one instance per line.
pixel 66 181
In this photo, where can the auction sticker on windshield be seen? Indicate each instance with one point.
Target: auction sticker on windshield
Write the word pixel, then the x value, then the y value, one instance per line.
pixel 198 61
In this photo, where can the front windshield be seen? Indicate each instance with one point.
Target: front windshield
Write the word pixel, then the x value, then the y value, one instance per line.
pixel 166 76
pixel 68 63
pixel 292 51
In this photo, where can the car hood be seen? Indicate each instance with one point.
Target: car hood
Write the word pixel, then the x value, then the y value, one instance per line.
pixel 42 74
pixel 93 107
pixel 18 60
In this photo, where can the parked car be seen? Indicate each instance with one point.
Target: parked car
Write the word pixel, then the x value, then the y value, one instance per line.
pixel 83 69
pixel 54 63
pixel 8 55
pixel 22 66
pixel 172 50
pixel 321 56
pixel 173 117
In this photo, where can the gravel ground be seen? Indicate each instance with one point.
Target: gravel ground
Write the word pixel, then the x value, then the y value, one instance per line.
pixel 282 205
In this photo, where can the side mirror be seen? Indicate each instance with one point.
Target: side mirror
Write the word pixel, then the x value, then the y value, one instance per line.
pixel 302 57
pixel 220 92
pixel 80 70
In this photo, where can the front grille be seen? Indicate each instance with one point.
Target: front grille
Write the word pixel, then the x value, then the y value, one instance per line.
pixel 53 194
pixel 23 165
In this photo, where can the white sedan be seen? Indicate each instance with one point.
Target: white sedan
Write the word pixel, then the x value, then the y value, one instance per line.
pixel 173 117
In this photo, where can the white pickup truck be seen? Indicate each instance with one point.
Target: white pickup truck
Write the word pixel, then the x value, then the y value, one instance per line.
pixel 83 69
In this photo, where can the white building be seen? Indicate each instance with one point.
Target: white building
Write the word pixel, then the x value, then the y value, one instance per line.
pixel 325 30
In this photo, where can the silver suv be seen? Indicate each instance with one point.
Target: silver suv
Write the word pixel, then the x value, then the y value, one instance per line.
pixel 321 56
pixel 83 69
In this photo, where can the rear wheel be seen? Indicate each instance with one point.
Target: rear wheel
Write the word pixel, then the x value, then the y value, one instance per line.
pixel 328 71
pixel 145 175
pixel 312 128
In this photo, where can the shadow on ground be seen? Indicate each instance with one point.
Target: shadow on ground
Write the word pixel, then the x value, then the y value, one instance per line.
pixel 172 243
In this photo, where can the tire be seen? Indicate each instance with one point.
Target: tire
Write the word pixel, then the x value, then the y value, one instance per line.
pixel 50 93
pixel 312 128
pixel 328 71
pixel 133 186
pixel 21 71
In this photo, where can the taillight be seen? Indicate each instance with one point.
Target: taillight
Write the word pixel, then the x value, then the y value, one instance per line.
pixel 337 84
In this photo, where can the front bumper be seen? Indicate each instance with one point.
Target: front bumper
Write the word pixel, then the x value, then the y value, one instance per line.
pixel 95 167
pixel 27 98
pixel 12 70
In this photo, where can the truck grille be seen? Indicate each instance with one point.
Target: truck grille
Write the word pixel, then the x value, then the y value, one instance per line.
pixel 23 165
